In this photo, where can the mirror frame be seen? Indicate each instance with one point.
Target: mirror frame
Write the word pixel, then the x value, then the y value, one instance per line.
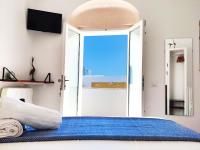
pixel 180 43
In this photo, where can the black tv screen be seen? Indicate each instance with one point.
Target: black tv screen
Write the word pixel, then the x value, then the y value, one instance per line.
pixel 44 21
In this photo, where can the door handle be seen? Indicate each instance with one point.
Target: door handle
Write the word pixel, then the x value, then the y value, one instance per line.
pixel 62 83
pixel 60 80
pixel 65 83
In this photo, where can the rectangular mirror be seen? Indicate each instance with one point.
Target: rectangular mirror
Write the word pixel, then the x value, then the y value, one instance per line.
pixel 178 77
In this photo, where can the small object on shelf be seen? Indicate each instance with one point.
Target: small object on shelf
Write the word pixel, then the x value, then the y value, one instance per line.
pixel 32 72
pixel 48 78
pixel 172 44
pixel 22 99
pixel 180 59
pixel 9 75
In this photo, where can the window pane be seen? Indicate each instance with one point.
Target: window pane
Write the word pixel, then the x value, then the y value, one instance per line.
pixel 105 58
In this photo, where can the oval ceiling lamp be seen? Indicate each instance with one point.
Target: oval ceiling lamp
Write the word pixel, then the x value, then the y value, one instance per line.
pixel 104 14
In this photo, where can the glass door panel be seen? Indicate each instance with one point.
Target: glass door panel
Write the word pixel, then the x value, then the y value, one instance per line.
pixel 72 51
pixel 135 70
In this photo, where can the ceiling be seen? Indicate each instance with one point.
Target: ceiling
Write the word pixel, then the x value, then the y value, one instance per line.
pixel 104 14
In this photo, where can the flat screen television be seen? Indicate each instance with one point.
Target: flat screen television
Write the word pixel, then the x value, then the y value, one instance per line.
pixel 44 21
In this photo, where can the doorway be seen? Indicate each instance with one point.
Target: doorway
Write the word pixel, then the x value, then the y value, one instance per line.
pixel 104 83
pixel 75 72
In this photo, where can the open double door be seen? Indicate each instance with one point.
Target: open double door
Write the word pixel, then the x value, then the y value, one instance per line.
pixel 73 70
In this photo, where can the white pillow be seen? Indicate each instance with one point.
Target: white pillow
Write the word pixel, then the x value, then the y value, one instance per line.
pixel 29 114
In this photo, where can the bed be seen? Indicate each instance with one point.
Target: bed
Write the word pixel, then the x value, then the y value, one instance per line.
pixel 107 133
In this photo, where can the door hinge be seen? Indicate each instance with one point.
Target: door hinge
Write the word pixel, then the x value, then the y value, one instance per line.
pixel 145 27
pixel 142 82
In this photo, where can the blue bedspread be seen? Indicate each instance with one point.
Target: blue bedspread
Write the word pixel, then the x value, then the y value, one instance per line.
pixel 103 128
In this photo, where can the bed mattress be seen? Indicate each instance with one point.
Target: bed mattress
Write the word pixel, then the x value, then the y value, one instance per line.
pixel 101 145
pixel 110 128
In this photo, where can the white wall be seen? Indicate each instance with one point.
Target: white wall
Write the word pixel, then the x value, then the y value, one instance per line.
pixel 15 44
pixel 103 102
pixel 168 19
pixel 15 47
pixel 165 19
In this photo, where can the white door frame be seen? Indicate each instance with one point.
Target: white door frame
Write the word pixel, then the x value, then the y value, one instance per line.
pixel 97 33
pixel 139 113
pixel 66 29
pixel 81 52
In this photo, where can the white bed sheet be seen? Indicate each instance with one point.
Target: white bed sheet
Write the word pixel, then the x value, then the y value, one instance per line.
pixel 102 145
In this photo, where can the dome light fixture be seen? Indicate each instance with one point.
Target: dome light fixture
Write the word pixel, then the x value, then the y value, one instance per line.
pixel 104 14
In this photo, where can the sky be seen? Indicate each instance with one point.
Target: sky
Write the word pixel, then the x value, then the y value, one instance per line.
pixel 105 55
